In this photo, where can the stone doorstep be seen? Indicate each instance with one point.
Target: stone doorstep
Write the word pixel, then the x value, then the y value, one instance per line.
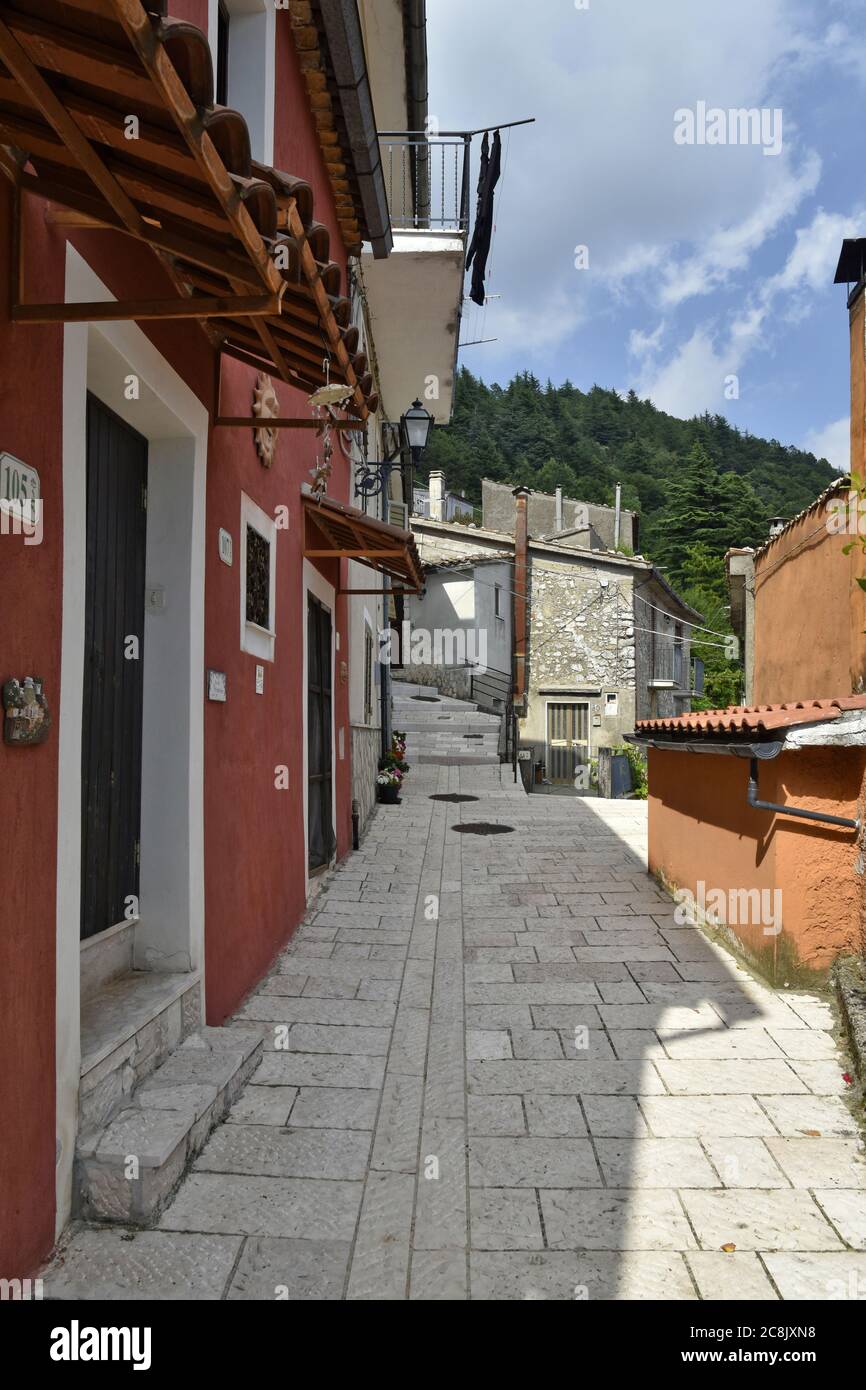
pixel 165 1126
pixel 124 1008
pixel 128 1030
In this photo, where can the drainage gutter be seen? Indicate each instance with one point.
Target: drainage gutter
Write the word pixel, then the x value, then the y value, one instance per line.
pixel 753 801
pixel 756 752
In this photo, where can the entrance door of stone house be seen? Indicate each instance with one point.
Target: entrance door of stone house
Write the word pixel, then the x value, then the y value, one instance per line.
pixel 113 668
pixel 320 822
pixel 567 740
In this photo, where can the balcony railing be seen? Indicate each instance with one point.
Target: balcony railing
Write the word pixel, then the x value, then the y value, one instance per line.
pixel 427 179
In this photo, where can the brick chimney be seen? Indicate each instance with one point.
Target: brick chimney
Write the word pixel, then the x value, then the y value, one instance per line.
pixel 437 495
pixel 521 592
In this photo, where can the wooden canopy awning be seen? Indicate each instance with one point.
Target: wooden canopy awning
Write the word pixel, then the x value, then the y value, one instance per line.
pixel 107 108
pixel 338 532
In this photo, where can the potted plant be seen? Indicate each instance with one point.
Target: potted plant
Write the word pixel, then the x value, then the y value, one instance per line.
pixel 388 784
pixel 393 759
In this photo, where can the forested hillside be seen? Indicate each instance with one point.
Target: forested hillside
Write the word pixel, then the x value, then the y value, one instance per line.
pixel 700 485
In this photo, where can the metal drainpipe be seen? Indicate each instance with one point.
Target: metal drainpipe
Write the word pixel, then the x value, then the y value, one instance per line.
pixel 519 604
pixel 752 799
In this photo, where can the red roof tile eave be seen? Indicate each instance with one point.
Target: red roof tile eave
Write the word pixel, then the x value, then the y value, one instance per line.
pixel 744 721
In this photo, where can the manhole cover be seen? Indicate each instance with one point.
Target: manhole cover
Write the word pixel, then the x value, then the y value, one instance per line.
pixel 452 796
pixel 473 735
pixel 482 828
pixel 427 699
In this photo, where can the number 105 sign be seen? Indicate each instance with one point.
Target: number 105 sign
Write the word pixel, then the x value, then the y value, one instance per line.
pixel 20 502
pixel 18 481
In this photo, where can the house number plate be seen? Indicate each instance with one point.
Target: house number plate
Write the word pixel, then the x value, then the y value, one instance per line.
pixel 18 481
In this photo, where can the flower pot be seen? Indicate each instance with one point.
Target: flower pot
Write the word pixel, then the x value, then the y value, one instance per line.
pixel 389 796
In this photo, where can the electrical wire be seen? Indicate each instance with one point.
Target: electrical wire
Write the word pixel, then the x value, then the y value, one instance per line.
pixel 587 579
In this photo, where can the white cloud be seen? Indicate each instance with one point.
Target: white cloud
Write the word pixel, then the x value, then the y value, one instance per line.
pixel 694 378
pixel 832 443
pixel 645 345
pixel 730 249
pixel 601 168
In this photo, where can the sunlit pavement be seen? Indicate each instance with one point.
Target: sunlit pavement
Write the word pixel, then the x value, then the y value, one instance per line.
pixel 496 1068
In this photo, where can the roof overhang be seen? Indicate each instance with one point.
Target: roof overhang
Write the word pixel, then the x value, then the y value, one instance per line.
pixel 336 531
pixel 415 300
pixel 852 262
pixel 236 238
pixel 759 732
pixel 354 167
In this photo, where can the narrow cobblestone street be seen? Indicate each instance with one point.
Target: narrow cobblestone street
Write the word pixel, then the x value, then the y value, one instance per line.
pixel 495 1068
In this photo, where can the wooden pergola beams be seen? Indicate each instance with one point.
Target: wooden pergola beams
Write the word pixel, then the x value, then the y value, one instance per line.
pixel 350 534
pixel 38 90
pixel 112 311
pixel 72 72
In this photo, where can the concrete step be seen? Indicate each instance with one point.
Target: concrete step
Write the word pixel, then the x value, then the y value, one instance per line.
pixel 458 759
pixel 425 707
pixel 458 745
pixel 451 719
pixel 405 689
pixel 128 1170
pixel 129 1027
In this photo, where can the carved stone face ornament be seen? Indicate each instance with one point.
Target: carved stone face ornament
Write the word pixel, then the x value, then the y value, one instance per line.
pixel 266 406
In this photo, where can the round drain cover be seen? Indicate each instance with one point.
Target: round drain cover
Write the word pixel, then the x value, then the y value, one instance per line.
pixel 473 735
pixel 483 828
pixel 452 796
pixel 427 699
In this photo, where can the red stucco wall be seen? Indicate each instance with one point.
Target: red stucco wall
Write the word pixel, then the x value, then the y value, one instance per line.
pixel 701 828
pixel 30 593
pixel 254 835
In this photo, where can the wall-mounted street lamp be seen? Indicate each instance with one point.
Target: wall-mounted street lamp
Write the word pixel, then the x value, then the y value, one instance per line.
pixel 415 427
pixel 413 437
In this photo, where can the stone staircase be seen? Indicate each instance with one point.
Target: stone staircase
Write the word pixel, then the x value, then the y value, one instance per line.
pixel 440 729
pixel 154 1084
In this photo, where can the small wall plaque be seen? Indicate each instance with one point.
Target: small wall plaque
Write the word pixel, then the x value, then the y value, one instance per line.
pixel 216 686
pixel 26 718
pixel 154 598
pixel 225 544
pixel 18 481
pixel 260 680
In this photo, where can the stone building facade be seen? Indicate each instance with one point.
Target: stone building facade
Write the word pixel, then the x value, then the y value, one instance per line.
pixel 607 639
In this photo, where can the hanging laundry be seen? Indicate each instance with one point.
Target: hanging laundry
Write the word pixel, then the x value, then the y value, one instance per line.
pixel 479 247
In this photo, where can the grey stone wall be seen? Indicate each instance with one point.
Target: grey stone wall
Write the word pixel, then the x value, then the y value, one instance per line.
pixel 366 747
pixel 581 646
pixel 498 508
pixel 453 681
pixel 581 627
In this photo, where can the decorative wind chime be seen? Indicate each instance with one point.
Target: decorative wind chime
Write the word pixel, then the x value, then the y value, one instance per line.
pixel 323 403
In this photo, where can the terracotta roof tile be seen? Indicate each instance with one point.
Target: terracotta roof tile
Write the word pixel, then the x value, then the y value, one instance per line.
pixel 745 720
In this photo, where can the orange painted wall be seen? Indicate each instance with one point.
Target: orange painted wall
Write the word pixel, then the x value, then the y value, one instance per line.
pixel 810 613
pixel 700 827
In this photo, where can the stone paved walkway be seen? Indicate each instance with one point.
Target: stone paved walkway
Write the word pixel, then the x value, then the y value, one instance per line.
pixel 496 1068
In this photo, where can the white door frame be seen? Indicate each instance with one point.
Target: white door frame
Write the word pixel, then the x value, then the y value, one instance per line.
pixel 101 357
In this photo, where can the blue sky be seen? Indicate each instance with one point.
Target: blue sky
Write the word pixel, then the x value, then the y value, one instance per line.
pixel 705 261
